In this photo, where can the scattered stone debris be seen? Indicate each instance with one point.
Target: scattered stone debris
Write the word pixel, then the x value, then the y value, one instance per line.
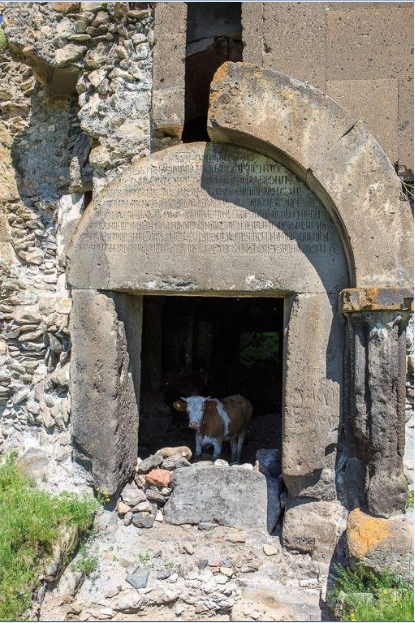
pixel 138 579
pixel 270 550
pixel 199 574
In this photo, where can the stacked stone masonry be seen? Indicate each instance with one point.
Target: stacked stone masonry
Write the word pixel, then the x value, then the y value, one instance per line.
pixel 76 111
pixel 352 52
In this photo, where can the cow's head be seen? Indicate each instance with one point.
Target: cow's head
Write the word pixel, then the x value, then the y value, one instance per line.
pixel 195 406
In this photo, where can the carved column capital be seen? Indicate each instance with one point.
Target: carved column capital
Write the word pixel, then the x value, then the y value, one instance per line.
pixel 366 300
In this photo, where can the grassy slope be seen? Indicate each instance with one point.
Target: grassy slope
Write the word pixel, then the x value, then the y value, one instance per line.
pixel 392 599
pixel 30 522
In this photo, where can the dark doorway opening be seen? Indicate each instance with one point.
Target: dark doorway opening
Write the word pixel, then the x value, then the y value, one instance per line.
pixel 211 347
pixel 214 36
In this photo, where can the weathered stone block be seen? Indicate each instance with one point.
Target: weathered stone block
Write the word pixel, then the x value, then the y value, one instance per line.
pixel 314 528
pixel 252 27
pixel 169 66
pixel 381 544
pixel 351 52
pixel 69 54
pixel 376 103
pixel 312 404
pixel 228 496
pixel 406 128
pixel 35 463
pixel 65 7
pixel 305 23
pixel 376 417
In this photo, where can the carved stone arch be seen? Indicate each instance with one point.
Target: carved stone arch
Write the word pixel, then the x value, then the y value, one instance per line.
pixel 332 152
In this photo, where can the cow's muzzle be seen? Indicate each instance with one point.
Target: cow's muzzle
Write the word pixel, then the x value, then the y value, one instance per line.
pixel 194 426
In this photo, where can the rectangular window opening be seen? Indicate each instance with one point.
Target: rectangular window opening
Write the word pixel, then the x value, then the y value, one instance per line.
pixel 210 346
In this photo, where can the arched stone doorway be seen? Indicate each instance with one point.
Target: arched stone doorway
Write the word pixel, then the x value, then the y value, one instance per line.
pixel 228 220
pixel 220 220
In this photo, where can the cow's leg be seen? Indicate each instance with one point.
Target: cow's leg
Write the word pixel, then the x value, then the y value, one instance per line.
pixel 234 447
pixel 240 445
pixel 217 448
pixel 198 445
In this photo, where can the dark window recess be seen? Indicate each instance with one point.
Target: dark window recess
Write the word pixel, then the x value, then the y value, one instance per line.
pixel 134 6
pixel 258 348
pixel 213 37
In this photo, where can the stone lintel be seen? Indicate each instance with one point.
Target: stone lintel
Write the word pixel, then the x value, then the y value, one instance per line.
pixel 355 300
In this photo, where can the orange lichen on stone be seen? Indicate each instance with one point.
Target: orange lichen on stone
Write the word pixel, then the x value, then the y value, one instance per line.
pixel 376 299
pixel 372 295
pixel 221 72
pixel 215 90
pixel 364 532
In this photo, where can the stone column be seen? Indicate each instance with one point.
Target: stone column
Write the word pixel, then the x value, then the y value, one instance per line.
pixel 375 422
pixel 312 395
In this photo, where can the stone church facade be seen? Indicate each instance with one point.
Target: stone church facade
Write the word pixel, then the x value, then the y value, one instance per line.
pixel 189 150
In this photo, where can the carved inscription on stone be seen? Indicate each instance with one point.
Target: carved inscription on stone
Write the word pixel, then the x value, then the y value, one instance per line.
pixel 196 202
pixel 161 210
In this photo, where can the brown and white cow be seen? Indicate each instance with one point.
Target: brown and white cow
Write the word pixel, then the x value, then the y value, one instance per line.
pixel 215 421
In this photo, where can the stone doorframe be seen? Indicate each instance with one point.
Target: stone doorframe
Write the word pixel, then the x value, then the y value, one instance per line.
pixel 298 126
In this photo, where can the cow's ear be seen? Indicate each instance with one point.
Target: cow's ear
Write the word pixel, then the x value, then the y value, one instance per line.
pixel 210 405
pixel 179 405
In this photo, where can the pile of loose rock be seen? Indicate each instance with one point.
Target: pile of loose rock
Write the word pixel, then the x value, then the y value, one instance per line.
pixel 142 500
pixel 207 494
pixel 181 572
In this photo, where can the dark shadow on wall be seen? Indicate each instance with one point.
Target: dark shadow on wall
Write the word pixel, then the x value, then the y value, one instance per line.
pixel 245 178
pixel 214 36
pixel 338 559
pixel 130 314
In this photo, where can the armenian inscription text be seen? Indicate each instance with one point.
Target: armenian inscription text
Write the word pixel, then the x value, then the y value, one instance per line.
pixel 218 200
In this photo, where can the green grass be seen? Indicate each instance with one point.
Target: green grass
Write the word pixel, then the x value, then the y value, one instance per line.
pixel 145 558
pixel 367 596
pixel 3 40
pixel 85 562
pixel 409 501
pixel 30 524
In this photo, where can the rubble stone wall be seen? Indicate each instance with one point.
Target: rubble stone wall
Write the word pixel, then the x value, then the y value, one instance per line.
pixel 75 107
